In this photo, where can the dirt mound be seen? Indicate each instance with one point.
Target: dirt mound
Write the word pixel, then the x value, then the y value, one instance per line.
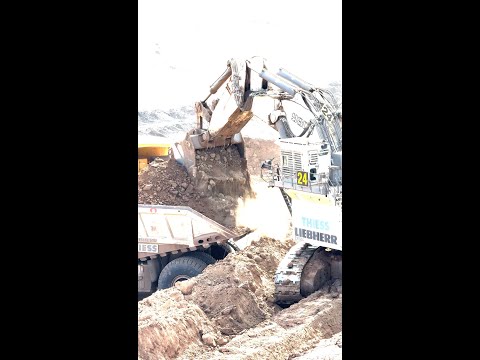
pixel 168 183
pixel 228 312
pixel 285 335
pixel 246 293
pixel 166 315
pixel 222 170
pixel 230 296
pixel 327 349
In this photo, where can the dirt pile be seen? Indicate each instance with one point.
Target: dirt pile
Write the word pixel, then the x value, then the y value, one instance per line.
pixel 168 183
pixel 285 335
pixel 167 323
pixel 228 297
pixel 222 181
pixel 228 312
pixel 328 349
pixel 237 293
pixel 222 171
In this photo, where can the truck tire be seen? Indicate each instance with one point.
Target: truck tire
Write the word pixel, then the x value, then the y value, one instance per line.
pixel 205 257
pixel 220 251
pixel 232 246
pixel 180 269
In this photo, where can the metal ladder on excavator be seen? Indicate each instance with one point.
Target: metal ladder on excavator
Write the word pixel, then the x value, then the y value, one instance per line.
pixel 287 199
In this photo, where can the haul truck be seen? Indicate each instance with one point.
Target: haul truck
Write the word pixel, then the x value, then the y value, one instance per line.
pixel 149 148
pixel 176 243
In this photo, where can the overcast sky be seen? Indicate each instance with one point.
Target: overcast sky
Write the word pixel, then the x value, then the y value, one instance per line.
pixel 184 45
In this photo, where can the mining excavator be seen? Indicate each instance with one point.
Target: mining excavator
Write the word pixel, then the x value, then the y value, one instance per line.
pixel 308 171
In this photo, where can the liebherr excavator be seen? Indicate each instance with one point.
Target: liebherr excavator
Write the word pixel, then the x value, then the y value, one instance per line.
pixel 308 172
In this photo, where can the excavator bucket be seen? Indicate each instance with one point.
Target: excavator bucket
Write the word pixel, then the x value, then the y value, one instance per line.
pixel 193 148
pixel 215 169
pixel 185 154
pixel 225 120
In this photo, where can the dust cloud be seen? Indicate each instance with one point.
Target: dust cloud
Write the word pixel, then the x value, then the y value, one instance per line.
pixel 267 213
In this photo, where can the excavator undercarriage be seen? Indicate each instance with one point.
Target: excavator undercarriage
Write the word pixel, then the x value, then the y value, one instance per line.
pixel 305 269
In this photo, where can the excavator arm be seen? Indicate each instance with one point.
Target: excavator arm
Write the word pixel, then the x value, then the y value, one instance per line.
pixel 226 110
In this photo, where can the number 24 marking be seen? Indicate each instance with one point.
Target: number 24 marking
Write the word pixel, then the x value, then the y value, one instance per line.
pixel 302 178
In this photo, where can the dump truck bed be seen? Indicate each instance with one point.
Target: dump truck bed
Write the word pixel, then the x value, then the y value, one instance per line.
pixel 164 229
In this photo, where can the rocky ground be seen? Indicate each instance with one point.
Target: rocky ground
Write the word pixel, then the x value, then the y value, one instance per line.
pixel 228 311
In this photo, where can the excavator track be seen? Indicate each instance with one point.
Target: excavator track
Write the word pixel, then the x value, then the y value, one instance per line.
pixel 289 273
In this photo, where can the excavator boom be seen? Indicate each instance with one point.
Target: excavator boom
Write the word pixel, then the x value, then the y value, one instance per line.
pixel 219 123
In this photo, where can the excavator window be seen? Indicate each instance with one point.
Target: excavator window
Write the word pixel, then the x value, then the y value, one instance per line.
pixel 313 174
